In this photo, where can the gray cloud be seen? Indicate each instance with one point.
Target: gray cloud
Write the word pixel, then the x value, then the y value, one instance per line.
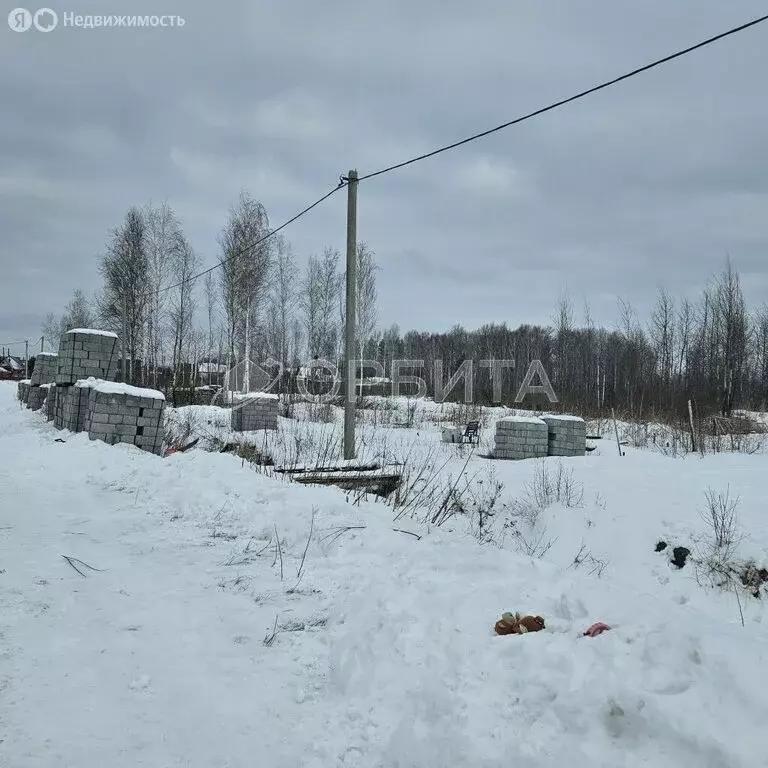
pixel 651 182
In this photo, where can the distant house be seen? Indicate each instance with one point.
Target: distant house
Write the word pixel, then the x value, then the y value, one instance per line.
pixel 211 373
pixel 317 378
pixel 261 377
pixel 13 366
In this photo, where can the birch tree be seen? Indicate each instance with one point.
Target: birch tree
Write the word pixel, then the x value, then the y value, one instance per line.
pixel 124 267
pixel 209 288
pixel 321 290
pixel 367 295
pixel 182 305
pixel 163 231
pixel 245 261
pixel 282 300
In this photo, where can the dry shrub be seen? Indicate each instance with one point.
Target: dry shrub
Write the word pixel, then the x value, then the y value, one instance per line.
pixel 557 486
pixel 720 515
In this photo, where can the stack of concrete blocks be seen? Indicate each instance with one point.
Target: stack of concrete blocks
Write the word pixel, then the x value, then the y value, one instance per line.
pixel 43 373
pixel 85 353
pixel 119 413
pixel 71 407
pixel 36 397
pixel 59 395
pixel 567 435
pixel 22 390
pixel 46 368
pixel 521 437
pixel 50 401
pixel 254 412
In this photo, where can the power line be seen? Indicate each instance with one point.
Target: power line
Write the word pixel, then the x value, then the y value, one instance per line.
pixel 258 242
pixel 14 343
pixel 563 102
pixel 475 137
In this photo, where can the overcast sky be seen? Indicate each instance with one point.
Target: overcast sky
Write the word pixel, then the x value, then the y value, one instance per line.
pixel 651 182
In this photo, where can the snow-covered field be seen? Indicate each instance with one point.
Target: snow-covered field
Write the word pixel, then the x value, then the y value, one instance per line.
pixel 201 641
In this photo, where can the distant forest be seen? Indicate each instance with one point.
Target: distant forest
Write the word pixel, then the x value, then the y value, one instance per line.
pixel 257 303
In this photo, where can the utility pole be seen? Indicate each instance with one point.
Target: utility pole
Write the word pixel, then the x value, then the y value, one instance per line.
pixel 42 343
pixel 26 359
pixel 349 330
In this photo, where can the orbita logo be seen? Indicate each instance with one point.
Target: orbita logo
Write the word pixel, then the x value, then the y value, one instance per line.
pixel 44 20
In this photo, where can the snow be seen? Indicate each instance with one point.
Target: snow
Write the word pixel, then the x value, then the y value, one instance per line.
pixel 522 420
pixel 46 354
pixel 239 396
pixel 384 654
pixel 117 388
pixel 94 332
pixel 563 417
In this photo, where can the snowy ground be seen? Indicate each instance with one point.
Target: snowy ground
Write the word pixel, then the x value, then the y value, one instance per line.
pixel 383 653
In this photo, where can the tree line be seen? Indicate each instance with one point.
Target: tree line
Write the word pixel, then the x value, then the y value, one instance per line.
pixel 258 304
pixel 712 351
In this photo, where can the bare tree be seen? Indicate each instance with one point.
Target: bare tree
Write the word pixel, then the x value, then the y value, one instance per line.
pixel 51 330
pixel 209 287
pixel 732 332
pixel 563 325
pixel 297 337
pixel 245 262
pixel 282 300
pixel 320 298
pixel 367 311
pixel 182 304
pixel 662 335
pixel 685 322
pixel 163 232
pixel 77 314
pixel 761 355
pixel 124 268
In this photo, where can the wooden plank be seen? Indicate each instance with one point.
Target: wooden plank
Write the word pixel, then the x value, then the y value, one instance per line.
pixel 381 482
pixel 343 468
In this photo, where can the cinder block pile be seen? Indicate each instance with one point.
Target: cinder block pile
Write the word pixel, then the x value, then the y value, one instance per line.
pixel 567 435
pixel 22 390
pixel 71 407
pixel 44 373
pixel 254 412
pixel 118 413
pixel 84 352
pixel 50 401
pixel 36 397
pixel 59 394
pixel 46 367
pixel 84 397
pixel 521 437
